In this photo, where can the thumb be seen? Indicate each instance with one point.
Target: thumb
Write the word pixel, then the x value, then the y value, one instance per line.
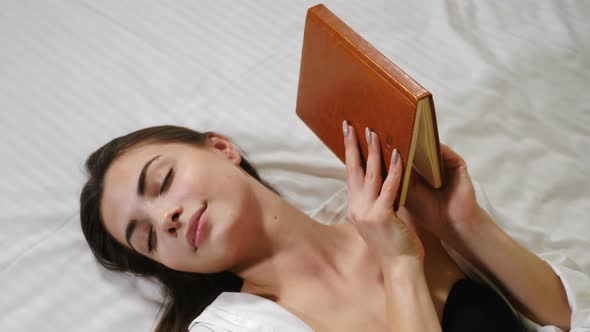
pixel 455 164
pixel 451 158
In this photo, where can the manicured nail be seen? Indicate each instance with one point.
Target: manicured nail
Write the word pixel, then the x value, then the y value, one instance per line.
pixel 368 135
pixel 345 128
pixel 394 157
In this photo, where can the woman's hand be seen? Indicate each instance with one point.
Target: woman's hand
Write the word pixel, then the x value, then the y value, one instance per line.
pixel 370 201
pixel 446 212
pixel 453 214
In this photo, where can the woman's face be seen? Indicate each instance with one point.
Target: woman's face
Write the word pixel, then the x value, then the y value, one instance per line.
pixel 152 191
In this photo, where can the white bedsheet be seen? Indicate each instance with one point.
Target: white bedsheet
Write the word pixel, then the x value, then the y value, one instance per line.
pixel 510 82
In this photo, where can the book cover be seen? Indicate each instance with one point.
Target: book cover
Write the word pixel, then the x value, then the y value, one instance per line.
pixel 343 77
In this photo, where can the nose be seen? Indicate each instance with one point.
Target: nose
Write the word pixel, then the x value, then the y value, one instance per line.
pixel 171 220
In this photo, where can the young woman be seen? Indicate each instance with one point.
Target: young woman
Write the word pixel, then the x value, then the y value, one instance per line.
pixel 187 208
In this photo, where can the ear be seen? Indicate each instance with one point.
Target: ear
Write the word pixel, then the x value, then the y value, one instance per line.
pixel 221 144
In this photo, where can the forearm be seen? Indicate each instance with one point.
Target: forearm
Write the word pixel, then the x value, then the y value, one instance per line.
pixel 409 304
pixel 530 282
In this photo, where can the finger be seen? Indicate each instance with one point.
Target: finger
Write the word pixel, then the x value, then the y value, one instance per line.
pixel 354 171
pixel 451 158
pixel 373 180
pixel 391 183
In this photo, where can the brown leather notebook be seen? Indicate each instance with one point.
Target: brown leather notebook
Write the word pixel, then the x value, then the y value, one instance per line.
pixel 343 77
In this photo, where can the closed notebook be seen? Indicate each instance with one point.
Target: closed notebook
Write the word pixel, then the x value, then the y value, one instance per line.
pixel 343 77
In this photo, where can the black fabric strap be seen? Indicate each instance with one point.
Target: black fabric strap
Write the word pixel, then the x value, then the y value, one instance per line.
pixel 475 307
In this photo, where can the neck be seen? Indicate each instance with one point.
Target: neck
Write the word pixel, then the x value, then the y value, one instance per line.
pixel 296 249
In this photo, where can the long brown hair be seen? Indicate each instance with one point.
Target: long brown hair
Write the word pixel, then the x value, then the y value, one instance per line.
pixel 186 294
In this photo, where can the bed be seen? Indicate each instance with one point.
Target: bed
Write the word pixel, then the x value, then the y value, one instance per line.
pixel 510 82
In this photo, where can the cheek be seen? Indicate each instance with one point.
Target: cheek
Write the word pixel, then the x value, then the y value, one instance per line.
pixel 189 186
pixel 224 236
pixel 234 227
pixel 204 178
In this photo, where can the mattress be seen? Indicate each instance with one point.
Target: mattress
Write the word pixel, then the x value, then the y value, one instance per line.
pixel 510 82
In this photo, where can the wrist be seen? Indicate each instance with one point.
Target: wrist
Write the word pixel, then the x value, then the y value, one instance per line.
pixel 403 268
pixel 472 233
pixel 474 224
pixel 467 227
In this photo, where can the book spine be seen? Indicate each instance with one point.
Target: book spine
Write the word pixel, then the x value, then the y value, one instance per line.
pixel 369 54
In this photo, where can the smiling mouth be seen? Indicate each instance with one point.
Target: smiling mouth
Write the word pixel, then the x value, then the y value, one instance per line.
pixel 194 225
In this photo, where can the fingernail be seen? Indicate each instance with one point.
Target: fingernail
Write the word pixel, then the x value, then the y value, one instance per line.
pixel 345 128
pixel 368 135
pixel 394 157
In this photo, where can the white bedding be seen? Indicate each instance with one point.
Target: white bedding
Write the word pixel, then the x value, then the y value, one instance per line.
pixel 510 82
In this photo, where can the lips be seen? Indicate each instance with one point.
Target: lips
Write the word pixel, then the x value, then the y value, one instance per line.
pixel 193 225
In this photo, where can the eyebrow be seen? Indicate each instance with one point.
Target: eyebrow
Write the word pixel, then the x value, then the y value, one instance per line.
pixel 141 180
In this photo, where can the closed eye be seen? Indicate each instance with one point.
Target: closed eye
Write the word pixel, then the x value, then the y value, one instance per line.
pixel 167 180
pixel 150 236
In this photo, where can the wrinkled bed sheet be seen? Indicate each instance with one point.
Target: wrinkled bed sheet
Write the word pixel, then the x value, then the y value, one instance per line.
pixel 510 82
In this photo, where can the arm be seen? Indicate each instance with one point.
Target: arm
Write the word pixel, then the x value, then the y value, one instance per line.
pixel 409 304
pixel 453 215
pixel 530 282
pixel 394 243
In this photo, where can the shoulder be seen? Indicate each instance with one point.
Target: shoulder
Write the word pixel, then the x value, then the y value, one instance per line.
pixel 235 311
pixel 217 317
pixel 201 327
